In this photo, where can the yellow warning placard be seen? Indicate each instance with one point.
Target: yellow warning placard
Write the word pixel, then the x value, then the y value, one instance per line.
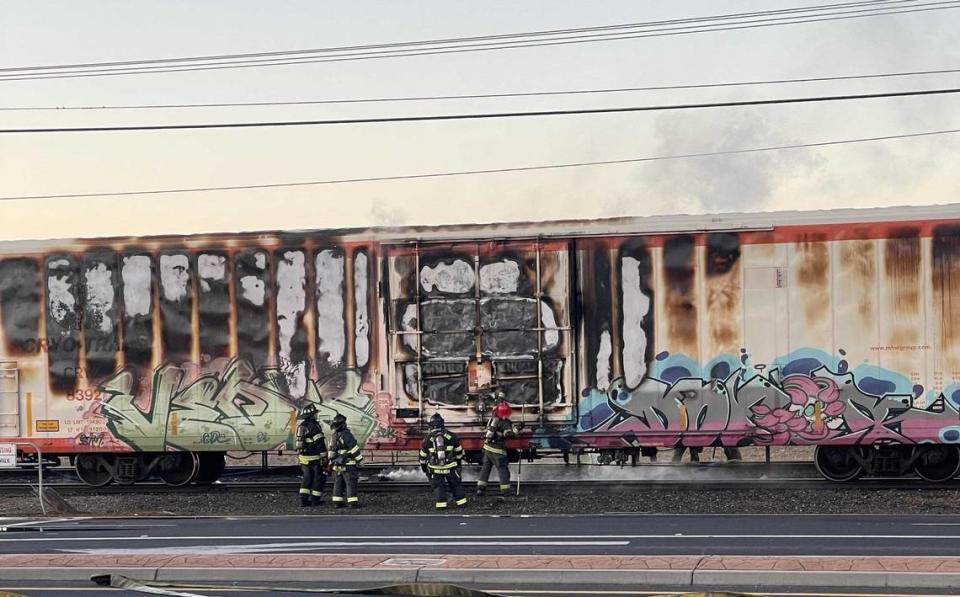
pixel 48 425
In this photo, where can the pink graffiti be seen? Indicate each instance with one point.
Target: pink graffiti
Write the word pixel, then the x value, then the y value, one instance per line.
pixel 800 388
pixel 792 423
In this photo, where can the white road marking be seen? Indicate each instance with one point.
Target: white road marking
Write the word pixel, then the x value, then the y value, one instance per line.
pixel 44 588
pixel 935 524
pixel 43 521
pixel 300 546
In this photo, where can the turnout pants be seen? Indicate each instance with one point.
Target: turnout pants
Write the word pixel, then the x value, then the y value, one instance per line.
pixel 491 460
pixel 313 479
pixel 345 486
pixel 446 485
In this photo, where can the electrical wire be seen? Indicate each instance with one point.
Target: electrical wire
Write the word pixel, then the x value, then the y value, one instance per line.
pixel 473 116
pixel 480 95
pixel 704 154
pixel 462 39
pixel 163 65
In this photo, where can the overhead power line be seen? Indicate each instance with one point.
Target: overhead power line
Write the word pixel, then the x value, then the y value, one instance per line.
pixel 474 116
pixel 419 98
pixel 335 181
pixel 727 22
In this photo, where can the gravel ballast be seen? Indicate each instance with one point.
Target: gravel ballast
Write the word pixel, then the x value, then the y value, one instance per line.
pixel 622 499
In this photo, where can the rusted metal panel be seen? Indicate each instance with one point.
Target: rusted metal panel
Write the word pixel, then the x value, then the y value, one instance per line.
pixel 856 283
pixel 680 291
pixel 722 296
pixel 809 291
pixel 943 339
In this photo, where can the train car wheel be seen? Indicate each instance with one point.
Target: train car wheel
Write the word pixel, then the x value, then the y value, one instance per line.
pixel 93 470
pixel 178 468
pixel 937 464
pixel 211 465
pixel 837 463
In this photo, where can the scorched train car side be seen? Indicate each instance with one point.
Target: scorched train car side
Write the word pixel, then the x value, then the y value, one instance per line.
pixel 157 355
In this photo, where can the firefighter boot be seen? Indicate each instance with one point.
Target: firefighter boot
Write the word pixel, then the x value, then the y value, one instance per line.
pixel 304 500
pixel 315 500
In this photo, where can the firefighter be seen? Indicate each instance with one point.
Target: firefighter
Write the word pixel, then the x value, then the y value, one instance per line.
pixel 440 458
pixel 312 454
pixel 494 449
pixel 345 458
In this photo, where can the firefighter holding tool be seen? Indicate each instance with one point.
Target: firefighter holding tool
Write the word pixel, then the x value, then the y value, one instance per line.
pixel 440 458
pixel 494 448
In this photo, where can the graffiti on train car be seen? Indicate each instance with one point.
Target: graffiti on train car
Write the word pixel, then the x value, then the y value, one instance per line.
pixel 227 404
pixel 809 398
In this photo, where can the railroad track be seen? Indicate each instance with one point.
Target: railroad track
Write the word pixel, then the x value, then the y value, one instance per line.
pixel 704 476
pixel 540 486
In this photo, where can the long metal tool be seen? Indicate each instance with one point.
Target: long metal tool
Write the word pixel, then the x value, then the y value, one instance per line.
pixel 520 460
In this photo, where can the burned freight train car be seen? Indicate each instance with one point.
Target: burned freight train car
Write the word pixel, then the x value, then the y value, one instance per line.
pixel 140 356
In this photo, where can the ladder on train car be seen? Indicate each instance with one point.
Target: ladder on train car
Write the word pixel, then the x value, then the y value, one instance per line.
pixel 9 399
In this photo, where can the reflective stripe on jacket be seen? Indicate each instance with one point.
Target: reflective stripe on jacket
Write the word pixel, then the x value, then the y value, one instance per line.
pixel 345 451
pixel 495 438
pixel 312 446
pixel 435 462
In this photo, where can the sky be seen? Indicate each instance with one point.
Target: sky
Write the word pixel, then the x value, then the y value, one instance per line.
pixel 36 32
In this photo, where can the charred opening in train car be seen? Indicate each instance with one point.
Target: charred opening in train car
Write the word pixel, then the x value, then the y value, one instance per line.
pixel 176 304
pixel 213 304
pixel 252 275
pixel 62 273
pixel 20 304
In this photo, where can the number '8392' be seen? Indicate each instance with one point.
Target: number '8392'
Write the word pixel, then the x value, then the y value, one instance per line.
pixel 84 394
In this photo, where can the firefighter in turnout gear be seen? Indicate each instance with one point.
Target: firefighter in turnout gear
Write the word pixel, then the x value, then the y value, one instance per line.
pixel 312 455
pixel 345 458
pixel 440 458
pixel 494 449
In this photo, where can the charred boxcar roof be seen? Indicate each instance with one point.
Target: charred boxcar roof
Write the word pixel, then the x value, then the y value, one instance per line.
pixel 658 224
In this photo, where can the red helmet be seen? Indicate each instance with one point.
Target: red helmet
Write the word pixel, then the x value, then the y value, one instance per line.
pixel 502 410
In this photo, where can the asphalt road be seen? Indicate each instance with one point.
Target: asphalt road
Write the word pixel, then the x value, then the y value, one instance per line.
pixel 73 589
pixel 502 535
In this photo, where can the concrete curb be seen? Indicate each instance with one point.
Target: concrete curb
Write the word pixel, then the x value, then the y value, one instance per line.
pixel 755 579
